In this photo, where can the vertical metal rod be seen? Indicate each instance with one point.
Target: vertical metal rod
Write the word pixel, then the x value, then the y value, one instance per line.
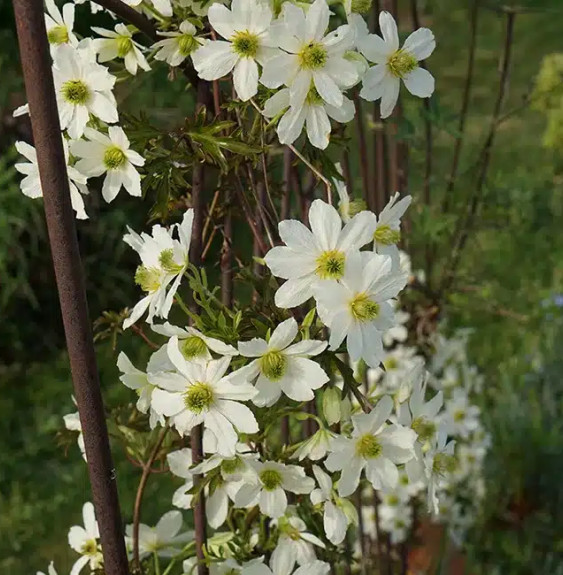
pixel 36 65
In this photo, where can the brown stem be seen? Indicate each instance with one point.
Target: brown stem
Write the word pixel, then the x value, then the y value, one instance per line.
pixel 249 217
pixel 286 183
pixel 465 223
pixel 147 470
pixel 226 258
pixel 464 105
pixel 363 151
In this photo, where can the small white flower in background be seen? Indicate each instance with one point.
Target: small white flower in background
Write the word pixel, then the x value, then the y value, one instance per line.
pixel 177 46
pixel 359 307
pixel 193 343
pixel 164 540
pixel 31 183
pixel 84 540
pixel 72 423
pixel 401 368
pixel 311 59
pixel 83 87
pixel 281 366
pixel 461 417
pixel 295 545
pixel 21 111
pixel 201 393
pixel 388 230
pixel 164 261
pixel 316 255
pixel 396 519
pixel 199 7
pixel 312 568
pixel 246 29
pixel 394 64
pixel 109 154
pixel 59 26
pixel 316 446
pixel 375 447
pixel 313 112
pixel 439 462
pixel 399 332
pixel 50 570
pixel 137 380
pixel 338 513
pixel 164 7
pixel 119 43
pixel 267 489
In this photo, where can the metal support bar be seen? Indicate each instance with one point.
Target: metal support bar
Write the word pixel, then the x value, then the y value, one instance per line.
pixel 36 64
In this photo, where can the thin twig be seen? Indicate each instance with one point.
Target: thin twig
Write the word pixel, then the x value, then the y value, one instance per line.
pixel 286 183
pixel 315 171
pixel 139 331
pixel 363 151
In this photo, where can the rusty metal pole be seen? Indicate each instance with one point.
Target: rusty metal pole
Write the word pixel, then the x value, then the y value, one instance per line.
pixel 36 64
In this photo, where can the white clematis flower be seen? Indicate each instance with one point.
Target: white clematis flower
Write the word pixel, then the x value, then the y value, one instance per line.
pixel 313 112
pixel 59 25
pixel 194 344
pixel 119 43
pixel 164 261
pixel 283 367
pixel 164 7
pixel 395 519
pixel 296 545
pixel 31 183
pixel 359 307
pixel 375 447
pixel 439 462
pixel 246 29
pixel 312 59
pixel 338 513
pixel 317 255
pixel 201 393
pixel 461 417
pixel 50 570
pixel 164 540
pixel 316 446
pixel 109 154
pixel 177 46
pixel 84 540
pixel 394 64
pixel 388 230
pixel 83 87
pixel 267 488
pixel 72 423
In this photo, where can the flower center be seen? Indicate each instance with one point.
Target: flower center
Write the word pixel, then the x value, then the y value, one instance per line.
pixel 75 92
pixel 443 464
pixel 89 547
pixel 401 63
pixel 330 265
pixel 368 446
pixel 459 415
pixel 58 35
pixel 384 235
pixel 361 6
pixel 273 365
pixel 313 56
pixel 124 46
pixel 271 479
pixel 245 44
pixel 424 428
pixel 390 364
pixel 147 278
pixel 193 347
pixel 168 263
pixel 114 158
pixel 229 466
pixel 198 397
pixel 363 309
pixel 393 500
pixel 186 44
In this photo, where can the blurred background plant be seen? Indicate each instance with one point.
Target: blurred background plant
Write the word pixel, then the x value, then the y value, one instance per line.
pixel 506 286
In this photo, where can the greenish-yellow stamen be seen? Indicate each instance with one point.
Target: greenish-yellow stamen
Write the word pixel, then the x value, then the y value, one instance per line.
pixel 114 158
pixel 147 278
pixel 192 347
pixel 186 44
pixel 229 466
pixel 393 500
pixel 368 446
pixel 58 35
pixel 443 464
pixel 313 56
pixel 168 263
pixel 198 397
pixel 361 6
pixel 273 365
pixel 390 364
pixel 124 46
pixel 424 428
pixel 459 415
pixel 89 547
pixel 75 92
pixel 386 236
pixel 363 309
pixel 245 44
pixel 271 479
pixel 330 265
pixel 401 63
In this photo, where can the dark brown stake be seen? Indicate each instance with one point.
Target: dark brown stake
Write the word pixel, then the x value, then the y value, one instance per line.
pixel 34 51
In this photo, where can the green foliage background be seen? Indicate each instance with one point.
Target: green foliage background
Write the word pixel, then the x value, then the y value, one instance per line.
pixel 511 268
